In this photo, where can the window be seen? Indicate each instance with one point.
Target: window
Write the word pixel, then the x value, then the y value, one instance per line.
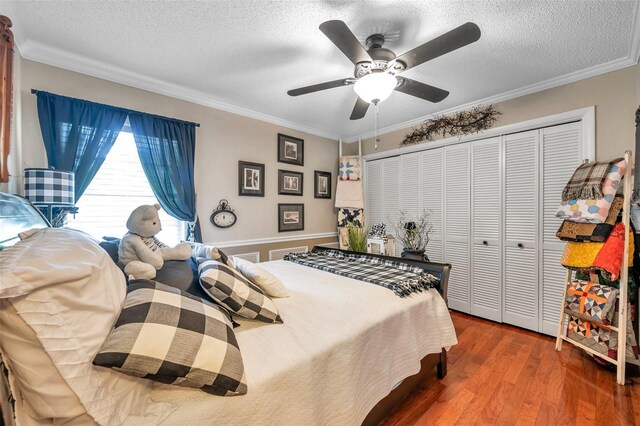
pixel 119 187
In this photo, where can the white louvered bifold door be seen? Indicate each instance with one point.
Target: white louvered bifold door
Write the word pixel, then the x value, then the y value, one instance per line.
pixel 410 185
pixel 486 212
pixel 390 185
pixel 561 155
pixel 457 221
pixel 373 193
pixel 432 171
pixel 521 214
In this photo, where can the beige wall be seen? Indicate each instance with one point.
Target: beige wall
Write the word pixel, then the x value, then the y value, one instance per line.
pixel 616 96
pixel 222 140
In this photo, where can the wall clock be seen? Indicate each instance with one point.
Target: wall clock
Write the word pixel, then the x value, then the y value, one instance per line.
pixel 223 216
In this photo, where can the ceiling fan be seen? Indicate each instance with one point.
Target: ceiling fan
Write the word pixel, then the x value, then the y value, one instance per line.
pixel 376 67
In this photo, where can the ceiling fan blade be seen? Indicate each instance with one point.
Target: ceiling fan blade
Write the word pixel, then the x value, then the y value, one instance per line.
pixel 359 109
pixel 421 90
pixel 321 86
pixel 343 38
pixel 448 42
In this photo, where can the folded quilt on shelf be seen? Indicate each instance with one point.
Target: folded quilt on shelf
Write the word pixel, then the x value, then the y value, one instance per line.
pixel 587 181
pixel 350 168
pixel 349 194
pixel 347 216
pixel 593 232
pixel 606 257
pixel 602 339
pixel 591 301
pixel 594 210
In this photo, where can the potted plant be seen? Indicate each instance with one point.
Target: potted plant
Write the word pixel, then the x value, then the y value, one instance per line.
pixel 357 238
pixel 414 234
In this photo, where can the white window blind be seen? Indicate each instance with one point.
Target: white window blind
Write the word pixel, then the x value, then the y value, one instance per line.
pixel 119 187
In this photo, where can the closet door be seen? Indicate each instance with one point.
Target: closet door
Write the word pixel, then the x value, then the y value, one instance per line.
pixel 486 244
pixel 373 194
pixel 431 186
pixel 390 185
pixel 410 184
pixel 521 213
pixel 457 222
pixel 560 154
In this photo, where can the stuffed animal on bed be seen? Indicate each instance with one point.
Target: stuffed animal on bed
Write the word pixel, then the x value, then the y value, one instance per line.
pixel 140 252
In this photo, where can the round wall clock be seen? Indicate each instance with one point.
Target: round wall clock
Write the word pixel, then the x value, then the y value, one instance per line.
pixel 223 216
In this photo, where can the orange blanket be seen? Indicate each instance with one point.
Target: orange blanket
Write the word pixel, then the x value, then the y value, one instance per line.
pixel 605 256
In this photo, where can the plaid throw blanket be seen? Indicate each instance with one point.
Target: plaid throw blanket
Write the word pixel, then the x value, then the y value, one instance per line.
pixel 586 182
pixel 402 279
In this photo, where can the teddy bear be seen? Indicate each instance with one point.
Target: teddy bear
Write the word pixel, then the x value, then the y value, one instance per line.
pixel 140 253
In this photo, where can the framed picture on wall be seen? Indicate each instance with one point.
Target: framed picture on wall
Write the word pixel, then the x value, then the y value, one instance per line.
pixel 250 179
pixel 290 150
pixel 289 183
pixel 321 184
pixel 290 217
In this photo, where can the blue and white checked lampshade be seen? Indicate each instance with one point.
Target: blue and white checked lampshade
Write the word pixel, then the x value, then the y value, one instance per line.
pixel 48 186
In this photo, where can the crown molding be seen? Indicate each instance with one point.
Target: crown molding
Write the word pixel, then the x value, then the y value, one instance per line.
pixel 77 63
pixel 260 241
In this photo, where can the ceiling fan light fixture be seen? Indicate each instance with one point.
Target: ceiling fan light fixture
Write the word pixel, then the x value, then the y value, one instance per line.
pixel 375 87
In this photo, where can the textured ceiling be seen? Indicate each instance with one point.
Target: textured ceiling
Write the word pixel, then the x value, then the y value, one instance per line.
pixel 243 55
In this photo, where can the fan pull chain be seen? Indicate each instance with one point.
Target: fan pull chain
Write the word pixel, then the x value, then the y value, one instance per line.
pixel 375 127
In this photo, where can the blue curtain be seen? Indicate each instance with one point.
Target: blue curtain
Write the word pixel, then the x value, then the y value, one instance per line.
pixel 167 148
pixel 78 134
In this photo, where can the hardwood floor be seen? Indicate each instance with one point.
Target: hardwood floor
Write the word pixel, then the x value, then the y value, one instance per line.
pixel 503 375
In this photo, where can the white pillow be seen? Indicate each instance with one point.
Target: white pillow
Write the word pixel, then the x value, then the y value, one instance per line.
pixel 71 295
pixel 264 279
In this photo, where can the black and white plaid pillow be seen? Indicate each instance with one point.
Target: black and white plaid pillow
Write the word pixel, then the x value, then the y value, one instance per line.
pixel 233 291
pixel 169 336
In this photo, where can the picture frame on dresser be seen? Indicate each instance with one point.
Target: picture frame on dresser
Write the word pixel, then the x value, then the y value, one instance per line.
pixel 290 182
pixel 290 150
pixel 290 217
pixel 321 184
pixel 250 179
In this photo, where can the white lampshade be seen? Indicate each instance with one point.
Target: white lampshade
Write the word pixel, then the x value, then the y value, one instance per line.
pixel 375 87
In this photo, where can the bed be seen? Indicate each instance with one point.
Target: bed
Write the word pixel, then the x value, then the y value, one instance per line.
pixel 346 353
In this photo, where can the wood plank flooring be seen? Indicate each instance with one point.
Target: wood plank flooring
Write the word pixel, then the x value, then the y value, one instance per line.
pixel 503 375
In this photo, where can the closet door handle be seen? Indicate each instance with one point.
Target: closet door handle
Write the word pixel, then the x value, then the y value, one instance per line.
pixel 520 245
pixel 486 243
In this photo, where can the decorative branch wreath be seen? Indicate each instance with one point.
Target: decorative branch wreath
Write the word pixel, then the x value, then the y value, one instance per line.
pixel 461 123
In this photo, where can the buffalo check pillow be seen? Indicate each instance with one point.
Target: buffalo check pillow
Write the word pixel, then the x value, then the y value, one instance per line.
pixel 167 335
pixel 236 293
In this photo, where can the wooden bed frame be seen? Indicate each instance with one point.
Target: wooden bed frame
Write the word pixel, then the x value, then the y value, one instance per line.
pixel 429 363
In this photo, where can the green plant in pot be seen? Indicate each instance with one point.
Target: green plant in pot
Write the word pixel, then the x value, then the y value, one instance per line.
pixel 414 235
pixel 357 238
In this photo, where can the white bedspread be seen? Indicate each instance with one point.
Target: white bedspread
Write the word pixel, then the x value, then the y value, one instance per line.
pixel 343 346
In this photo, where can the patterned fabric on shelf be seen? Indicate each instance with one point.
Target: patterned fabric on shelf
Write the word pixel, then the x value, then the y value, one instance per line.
pixel 591 302
pixel 594 210
pixel 606 257
pixel 593 232
pixel 350 168
pixel 348 217
pixel 587 180
pixel 602 339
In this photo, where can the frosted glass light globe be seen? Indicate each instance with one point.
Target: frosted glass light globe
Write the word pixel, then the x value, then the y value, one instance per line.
pixel 375 87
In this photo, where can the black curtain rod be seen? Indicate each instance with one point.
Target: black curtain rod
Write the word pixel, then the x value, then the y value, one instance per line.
pixel 133 111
